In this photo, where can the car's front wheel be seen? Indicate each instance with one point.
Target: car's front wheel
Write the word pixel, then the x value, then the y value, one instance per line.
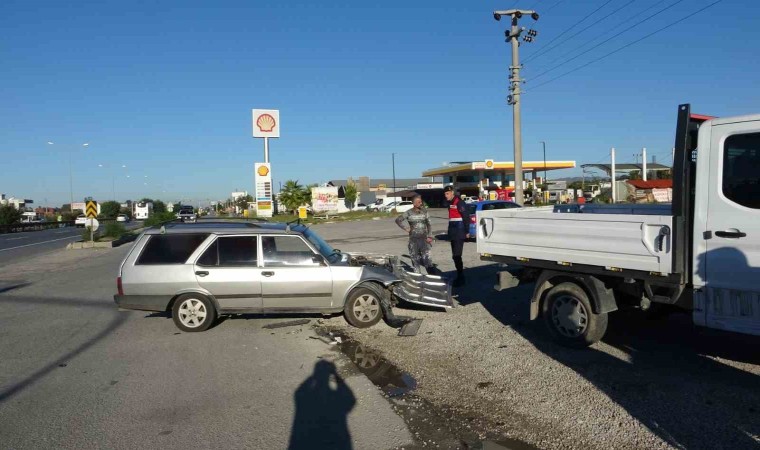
pixel 362 309
pixel 193 312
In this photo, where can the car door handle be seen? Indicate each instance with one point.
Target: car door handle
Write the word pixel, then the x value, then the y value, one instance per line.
pixel 201 273
pixel 267 273
pixel 731 233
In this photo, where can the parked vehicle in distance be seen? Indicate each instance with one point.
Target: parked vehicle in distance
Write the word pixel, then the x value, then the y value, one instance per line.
pixel 471 199
pixel 200 271
pixel 359 207
pixel 187 214
pixel 31 217
pixel 122 218
pixel 388 207
pixel 80 221
pixel 142 210
pixel 381 203
pixel 404 206
pixel 700 253
pixel 485 205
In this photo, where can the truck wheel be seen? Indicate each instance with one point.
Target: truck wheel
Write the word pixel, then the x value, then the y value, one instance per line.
pixel 569 317
pixel 362 309
pixel 193 312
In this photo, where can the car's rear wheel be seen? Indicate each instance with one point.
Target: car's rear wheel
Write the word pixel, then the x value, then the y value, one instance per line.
pixel 570 318
pixel 193 312
pixel 362 309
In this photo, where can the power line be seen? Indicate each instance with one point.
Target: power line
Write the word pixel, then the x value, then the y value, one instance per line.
pixel 608 39
pixel 552 6
pixel 563 33
pixel 538 54
pixel 605 33
pixel 626 45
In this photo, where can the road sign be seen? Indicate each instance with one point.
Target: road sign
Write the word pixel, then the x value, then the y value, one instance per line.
pixel 266 123
pixel 302 212
pixel 92 223
pixel 263 181
pixel 91 210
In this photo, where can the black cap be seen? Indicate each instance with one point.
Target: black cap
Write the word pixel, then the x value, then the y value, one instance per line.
pixel 448 189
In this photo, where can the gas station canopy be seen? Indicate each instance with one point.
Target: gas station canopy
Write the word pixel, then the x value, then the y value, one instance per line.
pixel 488 167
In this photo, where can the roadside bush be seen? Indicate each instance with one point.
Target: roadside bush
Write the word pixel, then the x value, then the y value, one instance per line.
pixel 159 218
pixel 86 234
pixel 114 230
pixel 9 215
pixel 110 209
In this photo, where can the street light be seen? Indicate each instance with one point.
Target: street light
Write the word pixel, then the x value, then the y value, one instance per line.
pixel 393 159
pixel 113 177
pixel 544 144
pixel 71 176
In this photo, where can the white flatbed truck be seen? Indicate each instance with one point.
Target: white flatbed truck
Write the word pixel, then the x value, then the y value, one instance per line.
pixel 700 253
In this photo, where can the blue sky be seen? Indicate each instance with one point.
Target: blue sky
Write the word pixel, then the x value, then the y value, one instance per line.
pixel 166 88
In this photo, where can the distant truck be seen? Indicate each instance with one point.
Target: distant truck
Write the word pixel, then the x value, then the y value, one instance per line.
pixel 187 214
pixel 143 210
pixel 702 253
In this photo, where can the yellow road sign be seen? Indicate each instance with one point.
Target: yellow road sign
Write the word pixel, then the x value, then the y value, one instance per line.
pixel 92 209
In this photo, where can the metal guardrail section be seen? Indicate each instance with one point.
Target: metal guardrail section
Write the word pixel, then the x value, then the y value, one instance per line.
pixel 415 287
pixel 420 288
pixel 37 226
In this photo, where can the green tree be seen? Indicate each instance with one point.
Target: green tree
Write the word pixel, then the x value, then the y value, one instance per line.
pixel 351 193
pixel 294 195
pixel 634 175
pixel 110 209
pixel 159 206
pixel 9 215
pixel 242 202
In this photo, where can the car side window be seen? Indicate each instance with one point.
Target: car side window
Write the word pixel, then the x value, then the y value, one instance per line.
pixel 170 248
pixel 286 251
pixel 237 251
pixel 741 169
pixel 211 256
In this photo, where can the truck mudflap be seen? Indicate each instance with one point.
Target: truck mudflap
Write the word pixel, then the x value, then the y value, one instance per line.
pixel 421 288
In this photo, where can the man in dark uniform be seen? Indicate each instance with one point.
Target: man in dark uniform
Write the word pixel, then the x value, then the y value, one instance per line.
pixel 459 226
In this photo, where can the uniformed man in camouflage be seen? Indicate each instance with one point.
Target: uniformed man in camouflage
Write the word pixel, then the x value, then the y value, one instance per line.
pixel 420 237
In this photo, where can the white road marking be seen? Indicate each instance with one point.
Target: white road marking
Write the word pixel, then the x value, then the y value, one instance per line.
pixel 38 243
pixel 15 239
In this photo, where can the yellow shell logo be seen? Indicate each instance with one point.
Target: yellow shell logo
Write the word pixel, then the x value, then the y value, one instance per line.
pixel 489 164
pixel 266 123
pixel 263 171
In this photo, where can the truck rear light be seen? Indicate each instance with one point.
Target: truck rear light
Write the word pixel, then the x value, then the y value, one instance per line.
pixel 119 287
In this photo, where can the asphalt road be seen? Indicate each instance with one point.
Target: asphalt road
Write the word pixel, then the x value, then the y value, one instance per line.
pixel 15 247
pixel 78 373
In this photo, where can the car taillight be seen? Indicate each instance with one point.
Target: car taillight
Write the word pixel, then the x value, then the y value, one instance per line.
pixel 118 286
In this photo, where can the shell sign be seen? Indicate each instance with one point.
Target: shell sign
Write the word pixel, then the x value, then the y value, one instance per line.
pixel 263 171
pixel 489 164
pixel 266 123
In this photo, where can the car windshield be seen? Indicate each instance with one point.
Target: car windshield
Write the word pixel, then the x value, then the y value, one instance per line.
pixel 323 247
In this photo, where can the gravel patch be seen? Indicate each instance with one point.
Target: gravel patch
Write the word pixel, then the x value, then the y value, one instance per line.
pixel 650 384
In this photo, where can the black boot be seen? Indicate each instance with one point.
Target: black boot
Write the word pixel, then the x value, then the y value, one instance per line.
pixel 459 281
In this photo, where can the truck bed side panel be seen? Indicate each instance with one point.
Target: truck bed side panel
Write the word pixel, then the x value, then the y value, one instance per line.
pixel 634 242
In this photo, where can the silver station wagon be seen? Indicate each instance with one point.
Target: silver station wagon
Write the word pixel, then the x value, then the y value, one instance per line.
pixel 199 271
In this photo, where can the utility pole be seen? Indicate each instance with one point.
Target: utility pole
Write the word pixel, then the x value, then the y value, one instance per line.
pixel 513 36
pixel 544 144
pixel 393 159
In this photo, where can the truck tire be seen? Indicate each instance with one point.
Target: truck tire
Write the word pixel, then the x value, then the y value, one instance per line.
pixel 193 312
pixel 570 318
pixel 362 308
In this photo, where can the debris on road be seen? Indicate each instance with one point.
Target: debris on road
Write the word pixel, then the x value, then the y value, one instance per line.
pixel 290 323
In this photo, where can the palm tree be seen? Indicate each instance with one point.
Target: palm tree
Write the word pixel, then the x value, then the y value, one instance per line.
pixel 293 195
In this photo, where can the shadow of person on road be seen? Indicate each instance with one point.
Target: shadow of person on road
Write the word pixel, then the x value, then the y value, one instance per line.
pixel 323 402
pixel 671 376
